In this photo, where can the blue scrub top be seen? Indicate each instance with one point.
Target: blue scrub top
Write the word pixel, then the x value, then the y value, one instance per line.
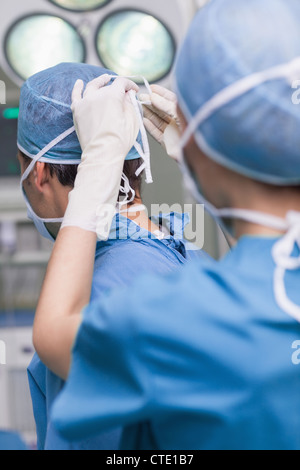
pixel 129 252
pixel 201 359
pixel 11 441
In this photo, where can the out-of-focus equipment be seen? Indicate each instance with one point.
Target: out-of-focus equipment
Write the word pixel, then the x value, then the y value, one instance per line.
pixel 135 43
pixel 15 403
pixel 23 259
pixel 135 39
pixel 80 5
pixel 34 41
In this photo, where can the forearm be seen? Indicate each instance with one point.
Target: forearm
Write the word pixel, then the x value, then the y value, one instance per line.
pixel 66 291
pixel 105 138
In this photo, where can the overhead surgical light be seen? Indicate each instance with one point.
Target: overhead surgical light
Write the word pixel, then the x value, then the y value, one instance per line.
pixel 40 41
pixel 80 5
pixel 132 42
pixel 131 37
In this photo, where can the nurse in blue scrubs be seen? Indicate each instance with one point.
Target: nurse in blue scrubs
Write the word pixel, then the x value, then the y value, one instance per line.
pixel 201 358
pixel 135 245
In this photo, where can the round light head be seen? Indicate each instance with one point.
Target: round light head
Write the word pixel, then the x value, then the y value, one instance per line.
pixel 37 42
pixel 132 42
pixel 80 5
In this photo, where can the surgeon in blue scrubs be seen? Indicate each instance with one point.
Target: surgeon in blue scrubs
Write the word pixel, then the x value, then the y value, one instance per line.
pixel 49 153
pixel 203 358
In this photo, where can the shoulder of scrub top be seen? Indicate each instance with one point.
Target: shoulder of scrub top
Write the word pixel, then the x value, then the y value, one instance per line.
pixel 120 263
pixel 173 226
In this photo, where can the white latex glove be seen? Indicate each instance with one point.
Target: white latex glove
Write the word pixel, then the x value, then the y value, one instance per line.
pixel 161 119
pixel 107 127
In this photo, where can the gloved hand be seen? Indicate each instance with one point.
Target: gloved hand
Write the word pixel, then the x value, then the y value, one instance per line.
pixel 161 120
pixel 107 127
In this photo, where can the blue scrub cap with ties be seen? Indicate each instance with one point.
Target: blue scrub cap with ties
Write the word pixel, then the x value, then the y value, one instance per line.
pixel 234 78
pixel 45 113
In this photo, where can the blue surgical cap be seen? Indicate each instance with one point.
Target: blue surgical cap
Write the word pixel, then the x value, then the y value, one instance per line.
pixel 258 133
pixel 45 112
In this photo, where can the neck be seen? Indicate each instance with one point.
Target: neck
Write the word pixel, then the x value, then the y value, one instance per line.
pixel 134 212
pixel 267 199
pixel 139 215
pixel 59 206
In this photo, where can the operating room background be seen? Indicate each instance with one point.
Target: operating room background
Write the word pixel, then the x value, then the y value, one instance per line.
pixel 23 252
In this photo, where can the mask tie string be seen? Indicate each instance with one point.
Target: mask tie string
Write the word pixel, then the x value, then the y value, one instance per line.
pixel 284 261
pixel 29 169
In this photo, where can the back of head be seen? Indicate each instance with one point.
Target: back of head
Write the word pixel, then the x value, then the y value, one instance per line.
pixel 256 134
pixel 45 110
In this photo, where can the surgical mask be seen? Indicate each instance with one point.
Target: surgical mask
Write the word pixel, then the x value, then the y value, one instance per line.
pixel 129 194
pixel 282 252
pixel 38 222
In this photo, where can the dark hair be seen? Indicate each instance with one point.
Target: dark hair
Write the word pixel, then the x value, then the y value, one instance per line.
pixel 66 174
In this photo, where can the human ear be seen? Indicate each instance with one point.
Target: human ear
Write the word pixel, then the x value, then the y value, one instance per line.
pixel 41 175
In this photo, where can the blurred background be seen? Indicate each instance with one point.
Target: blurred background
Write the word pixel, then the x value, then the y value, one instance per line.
pixel 137 37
